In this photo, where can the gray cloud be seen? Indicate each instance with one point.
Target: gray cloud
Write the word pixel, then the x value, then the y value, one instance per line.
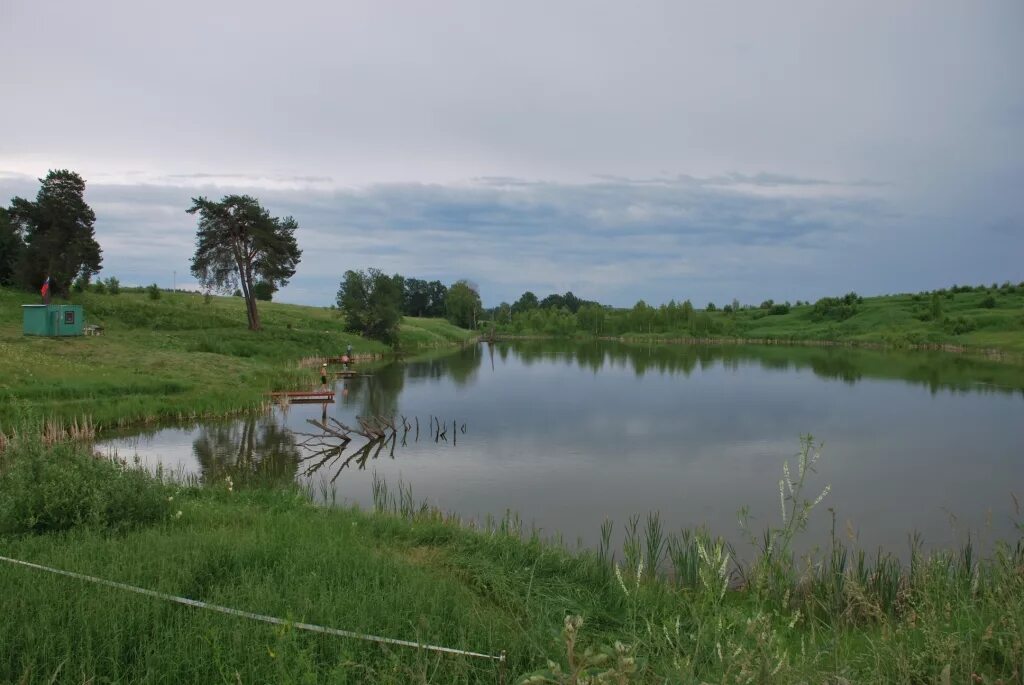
pixel 623 150
pixel 615 240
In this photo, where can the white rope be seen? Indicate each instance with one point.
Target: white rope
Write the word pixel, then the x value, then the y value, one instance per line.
pixel 255 617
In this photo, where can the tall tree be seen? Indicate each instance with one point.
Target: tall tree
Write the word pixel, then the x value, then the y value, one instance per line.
pixel 238 243
pixel 10 248
pixel 372 304
pixel 525 303
pixel 59 238
pixel 438 299
pixel 463 304
pixel 416 298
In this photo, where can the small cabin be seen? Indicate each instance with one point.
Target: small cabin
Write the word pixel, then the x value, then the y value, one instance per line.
pixel 53 320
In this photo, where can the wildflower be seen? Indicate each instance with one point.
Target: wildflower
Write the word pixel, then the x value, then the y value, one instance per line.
pixel 782 501
pixel 828 489
pixel 178 515
pixel 618 576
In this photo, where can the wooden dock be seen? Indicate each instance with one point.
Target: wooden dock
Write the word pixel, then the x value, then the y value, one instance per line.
pixel 305 395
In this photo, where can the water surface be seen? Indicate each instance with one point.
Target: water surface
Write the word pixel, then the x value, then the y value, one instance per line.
pixel 568 434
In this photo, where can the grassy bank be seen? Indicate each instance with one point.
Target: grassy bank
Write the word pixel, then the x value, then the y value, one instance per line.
pixel 899 321
pixel 682 608
pixel 981 318
pixel 177 357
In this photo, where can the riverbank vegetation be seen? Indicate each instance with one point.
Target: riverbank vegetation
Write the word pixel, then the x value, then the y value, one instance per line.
pixel 182 355
pixel 372 303
pixel 649 605
pixel 981 317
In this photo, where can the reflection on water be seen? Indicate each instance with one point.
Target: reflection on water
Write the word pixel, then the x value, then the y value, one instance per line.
pixel 336 446
pixel 252 448
pixel 568 434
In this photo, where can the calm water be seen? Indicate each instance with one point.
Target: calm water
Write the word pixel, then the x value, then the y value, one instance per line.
pixel 569 434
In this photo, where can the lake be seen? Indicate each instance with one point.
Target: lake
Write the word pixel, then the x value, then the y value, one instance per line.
pixel 568 434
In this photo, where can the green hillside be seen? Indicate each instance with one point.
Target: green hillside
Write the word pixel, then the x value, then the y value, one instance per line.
pixel 179 356
pixel 979 318
pixel 982 318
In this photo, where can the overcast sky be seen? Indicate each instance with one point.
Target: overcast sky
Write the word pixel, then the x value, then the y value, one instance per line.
pixel 620 150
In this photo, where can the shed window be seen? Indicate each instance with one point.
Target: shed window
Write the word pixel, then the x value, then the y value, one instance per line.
pixel 69 317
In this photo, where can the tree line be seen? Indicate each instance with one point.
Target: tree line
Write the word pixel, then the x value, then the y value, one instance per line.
pixel 373 302
pixel 563 315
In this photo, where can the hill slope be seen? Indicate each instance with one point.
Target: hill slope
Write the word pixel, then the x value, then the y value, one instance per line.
pixel 179 356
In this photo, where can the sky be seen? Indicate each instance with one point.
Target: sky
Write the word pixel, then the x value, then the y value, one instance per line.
pixel 620 150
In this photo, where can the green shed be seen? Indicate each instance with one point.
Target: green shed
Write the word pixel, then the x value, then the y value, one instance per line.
pixel 53 319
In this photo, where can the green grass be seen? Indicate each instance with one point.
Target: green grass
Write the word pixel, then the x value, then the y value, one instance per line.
pixel 406 571
pixel 899 321
pixel 177 357
pixel 896 320
pixel 423 332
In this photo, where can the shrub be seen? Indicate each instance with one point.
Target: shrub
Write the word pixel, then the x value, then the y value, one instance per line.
pixel 56 488
pixel 959 325
pixel 988 302
pixel 153 290
pixel 835 308
pixel 711 307
pixel 778 309
pixel 767 304
pixel 100 288
pixel 263 290
pixel 113 286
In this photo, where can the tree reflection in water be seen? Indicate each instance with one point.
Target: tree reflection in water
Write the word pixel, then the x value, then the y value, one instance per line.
pixel 326 448
pixel 251 450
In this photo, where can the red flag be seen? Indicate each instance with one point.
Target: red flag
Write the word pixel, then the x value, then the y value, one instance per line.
pixel 45 290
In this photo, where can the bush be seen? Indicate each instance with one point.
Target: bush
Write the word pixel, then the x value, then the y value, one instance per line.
pixel 988 302
pixel 835 308
pixel 153 290
pixel 100 288
pixel 113 286
pixel 959 325
pixel 263 290
pixel 56 488
pixel 778 309
pixel 711 307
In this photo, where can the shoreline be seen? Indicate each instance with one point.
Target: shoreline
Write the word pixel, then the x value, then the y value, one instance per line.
pixel 991 353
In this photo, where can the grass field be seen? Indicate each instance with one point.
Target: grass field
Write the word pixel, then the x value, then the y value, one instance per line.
pixel 976 318
pixel 177 357
pixel 682 610
pixel 901 320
